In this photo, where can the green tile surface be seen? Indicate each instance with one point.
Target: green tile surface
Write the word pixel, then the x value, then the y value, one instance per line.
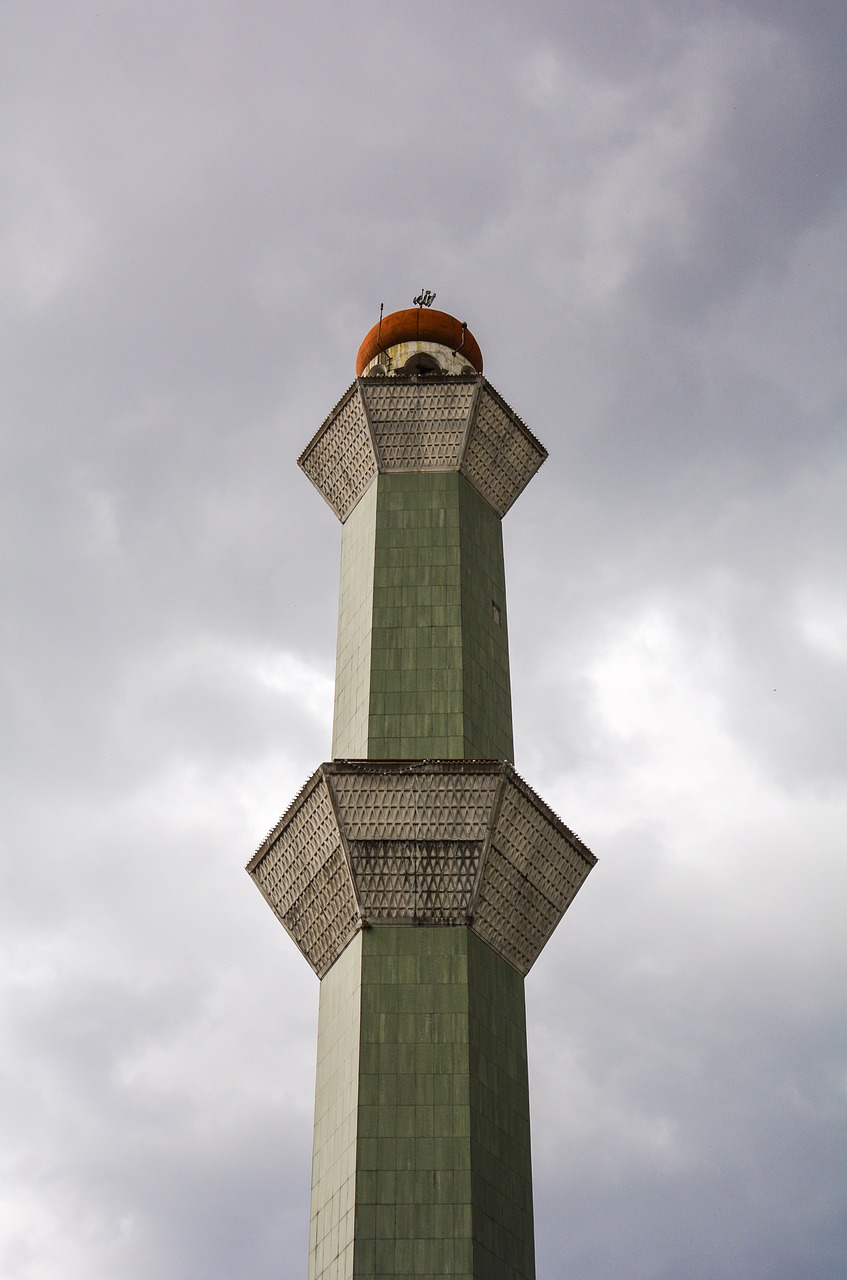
pixel 423 666
pixel 486 688
pixel 499 1104
pixel 441 1171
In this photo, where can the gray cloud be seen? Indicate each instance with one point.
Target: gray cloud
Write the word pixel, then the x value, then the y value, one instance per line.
pixel 641 213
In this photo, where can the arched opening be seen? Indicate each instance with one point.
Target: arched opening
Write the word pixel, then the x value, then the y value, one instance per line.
pixel 422 362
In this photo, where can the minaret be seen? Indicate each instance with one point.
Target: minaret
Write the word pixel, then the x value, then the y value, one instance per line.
pixel 417 872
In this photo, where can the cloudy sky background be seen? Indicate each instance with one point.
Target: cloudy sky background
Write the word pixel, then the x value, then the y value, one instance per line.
pixel 641 211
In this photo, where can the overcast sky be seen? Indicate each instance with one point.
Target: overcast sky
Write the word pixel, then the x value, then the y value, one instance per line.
pixel 640 209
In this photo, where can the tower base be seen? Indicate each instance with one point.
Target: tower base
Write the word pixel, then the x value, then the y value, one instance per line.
pixel 421 1158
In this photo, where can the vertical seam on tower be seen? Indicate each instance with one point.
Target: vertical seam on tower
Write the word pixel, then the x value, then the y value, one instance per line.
pixel 469 425
pixel 365 410
pixel 416 844
pixel 342 836
pixel 489 836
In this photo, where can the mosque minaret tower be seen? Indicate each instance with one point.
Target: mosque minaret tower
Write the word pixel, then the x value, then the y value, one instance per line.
pixel 419 875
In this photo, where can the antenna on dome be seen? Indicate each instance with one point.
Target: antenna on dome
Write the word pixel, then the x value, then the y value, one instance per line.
pixel 424 299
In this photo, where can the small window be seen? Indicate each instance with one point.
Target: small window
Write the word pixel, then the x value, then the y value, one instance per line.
pixel 495 612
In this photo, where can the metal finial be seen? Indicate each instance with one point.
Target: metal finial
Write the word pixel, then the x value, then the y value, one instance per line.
pixel 424 299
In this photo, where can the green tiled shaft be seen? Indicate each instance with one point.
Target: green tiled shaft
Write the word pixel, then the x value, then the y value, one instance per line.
pixel 422 1160
pixel 423 658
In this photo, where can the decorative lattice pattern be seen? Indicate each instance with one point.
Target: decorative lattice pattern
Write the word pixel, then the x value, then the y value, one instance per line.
pixel 450 423
pixel 445 842
pixel 501 456
pixel 340 460
pixel 419 426
pixel 414 881
pixel 419 805
pixel 533 870
pixel 303 874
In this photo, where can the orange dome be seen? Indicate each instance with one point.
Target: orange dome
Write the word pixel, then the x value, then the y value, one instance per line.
pixel 419 324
